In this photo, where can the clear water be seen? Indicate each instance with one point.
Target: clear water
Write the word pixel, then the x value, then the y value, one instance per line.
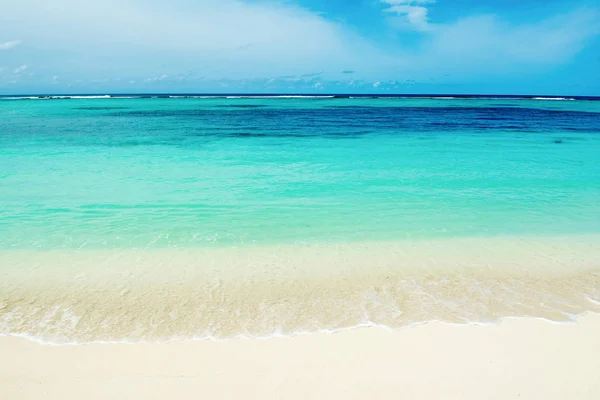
pixel 181 172
pixel 128 219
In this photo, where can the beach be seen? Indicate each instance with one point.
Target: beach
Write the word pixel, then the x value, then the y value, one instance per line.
pixel 299 199
pixel 299 247
pixel 518 359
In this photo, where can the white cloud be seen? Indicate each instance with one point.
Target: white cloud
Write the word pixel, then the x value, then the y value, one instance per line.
pixel 201 41
pixel 488 40
pixel 217 37
pixel 412 12
pixel 20 69
pixel 158 78
pixel 486 46
pixel 10 45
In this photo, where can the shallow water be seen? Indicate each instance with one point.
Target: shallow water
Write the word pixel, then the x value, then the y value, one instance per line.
pixel 109 173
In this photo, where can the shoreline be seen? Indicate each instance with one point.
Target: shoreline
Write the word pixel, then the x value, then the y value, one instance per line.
pixel 155 296
pixel 524 358
pixel 572 320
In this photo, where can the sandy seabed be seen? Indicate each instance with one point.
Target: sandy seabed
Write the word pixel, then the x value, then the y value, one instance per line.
pixel 156 295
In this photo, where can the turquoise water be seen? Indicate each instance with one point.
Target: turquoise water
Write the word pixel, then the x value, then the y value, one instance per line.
pixel 186 218
pixel 191 172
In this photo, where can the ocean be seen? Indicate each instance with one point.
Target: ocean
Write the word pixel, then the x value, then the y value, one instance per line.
pixel 156 218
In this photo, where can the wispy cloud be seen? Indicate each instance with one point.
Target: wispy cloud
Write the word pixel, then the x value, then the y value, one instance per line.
pixel 10 45
pixel 413 12
pixel 20 69
pixel 491 41
pixel 158 78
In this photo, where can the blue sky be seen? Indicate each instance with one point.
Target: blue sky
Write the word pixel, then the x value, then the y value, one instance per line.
pixel 300 46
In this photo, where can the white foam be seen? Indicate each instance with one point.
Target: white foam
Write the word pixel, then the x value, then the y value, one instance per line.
pixel 555 98
pixel 87 97
pixel 276 334
pixel 280 97
pixel 58 97
pixel 192 97
pixel 20 98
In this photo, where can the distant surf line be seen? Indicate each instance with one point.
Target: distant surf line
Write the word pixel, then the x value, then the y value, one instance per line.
pixel 291 96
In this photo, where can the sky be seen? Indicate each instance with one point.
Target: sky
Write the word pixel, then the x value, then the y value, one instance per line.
pixel 300 46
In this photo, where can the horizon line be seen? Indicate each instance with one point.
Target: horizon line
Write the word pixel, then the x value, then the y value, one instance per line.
pixel 303 94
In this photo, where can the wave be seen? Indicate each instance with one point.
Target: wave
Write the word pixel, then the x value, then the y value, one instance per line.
pixel 59 97
pixel 84 97
pixel 555 98
pixel 294 96
pixel 281 97
pixel 45 341
pixel 190 97
pixel 20 98
pixel 150 96
pixel 269 292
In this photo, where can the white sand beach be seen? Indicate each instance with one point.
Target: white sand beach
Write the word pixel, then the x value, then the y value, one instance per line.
pixel 519 359
pixel 96 296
